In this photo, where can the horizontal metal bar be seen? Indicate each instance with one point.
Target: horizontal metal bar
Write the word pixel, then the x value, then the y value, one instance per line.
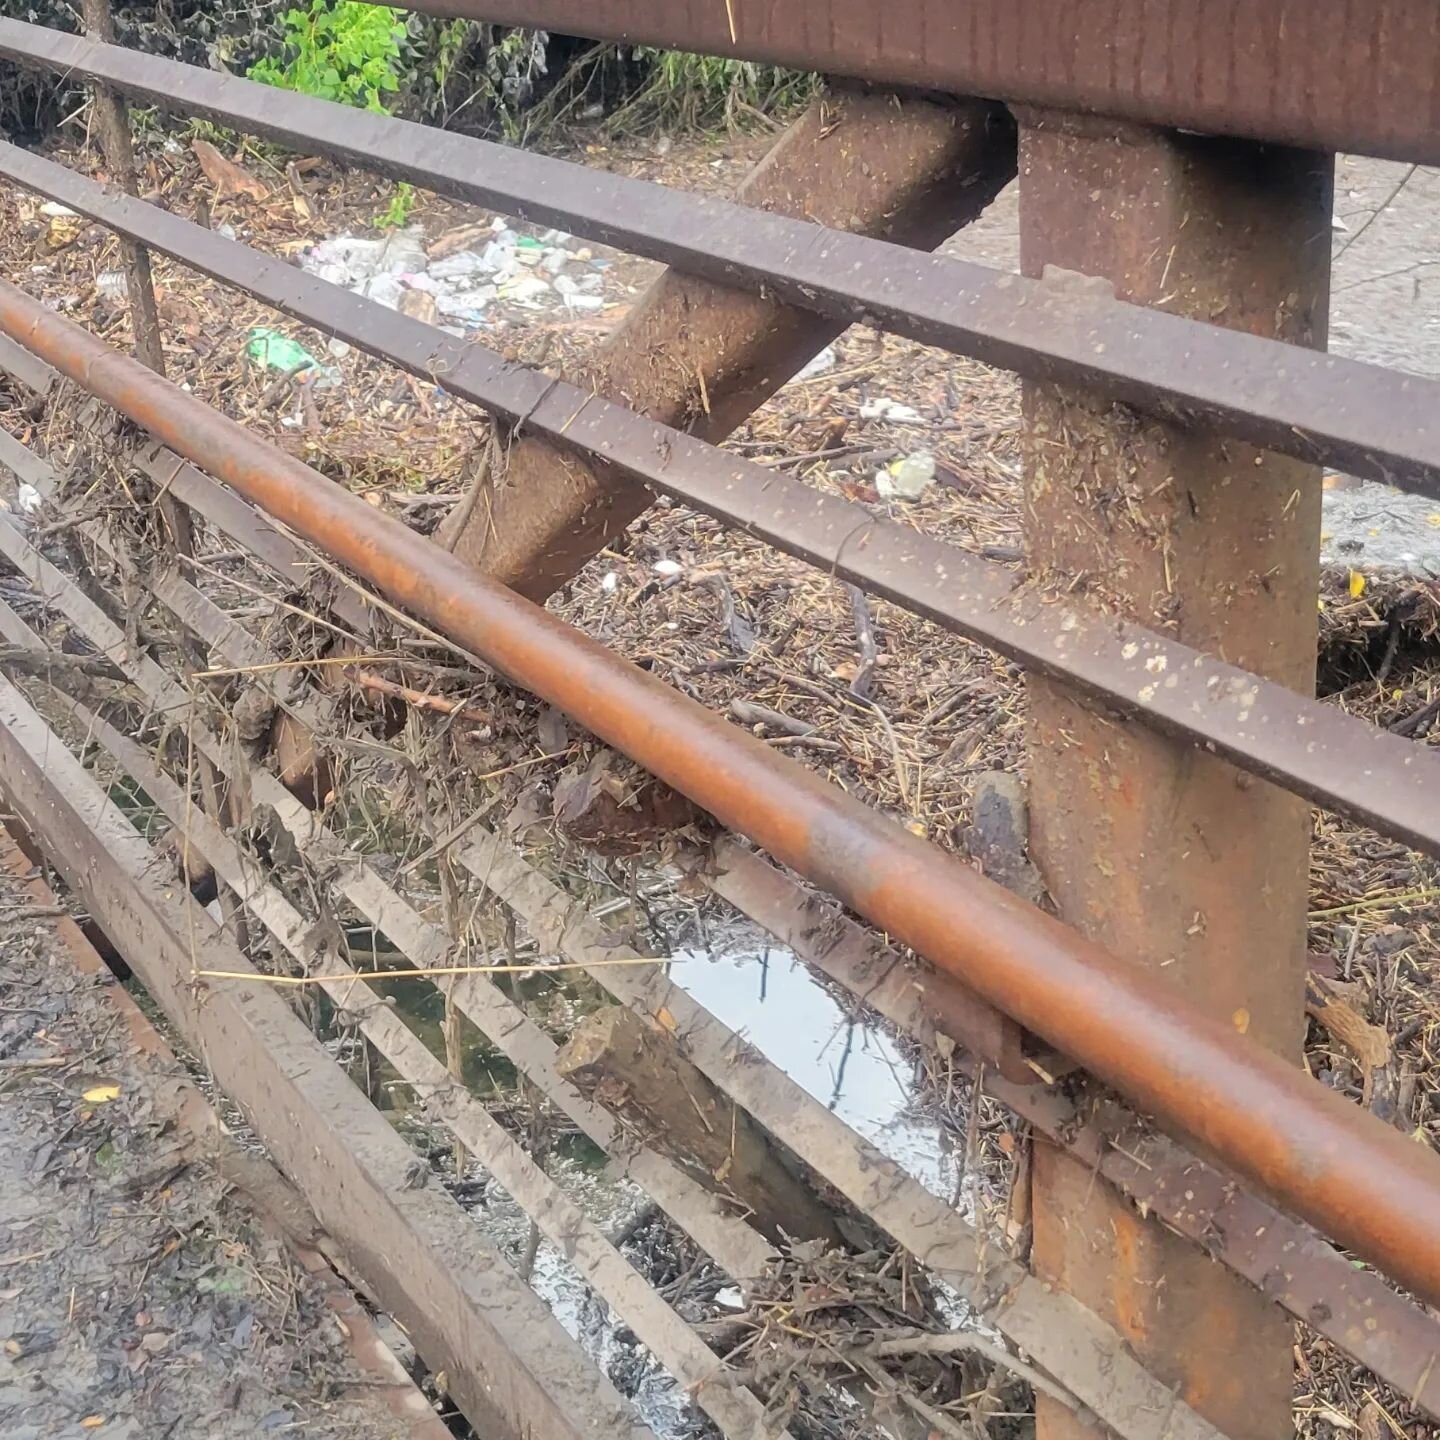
pixel 1057 1332
pixel 31 372
pixel 1351 416
pixel 1315 750
pixel 1317 1284
pixel 1326 74
pixel 1369 1187
pixel 511 1366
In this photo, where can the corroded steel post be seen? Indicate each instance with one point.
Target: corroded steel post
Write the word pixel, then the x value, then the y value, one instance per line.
pixel 703 357
pixel 1150 847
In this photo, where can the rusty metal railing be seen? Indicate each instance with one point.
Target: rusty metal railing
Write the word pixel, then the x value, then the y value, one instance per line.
pixel 1364 1184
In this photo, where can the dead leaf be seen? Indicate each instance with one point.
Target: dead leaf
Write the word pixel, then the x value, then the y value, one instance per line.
pixel 1327 1002
pixel 101 1094
pixel 226 176
pixel 92 1422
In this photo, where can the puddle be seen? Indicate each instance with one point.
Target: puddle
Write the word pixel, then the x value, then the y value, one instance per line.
pixel 855 1070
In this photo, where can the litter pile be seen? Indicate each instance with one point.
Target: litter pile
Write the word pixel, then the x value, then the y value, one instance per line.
pixel 455 280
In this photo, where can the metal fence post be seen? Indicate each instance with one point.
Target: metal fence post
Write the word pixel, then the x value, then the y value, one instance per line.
pixel 1151 847
pixel 112 119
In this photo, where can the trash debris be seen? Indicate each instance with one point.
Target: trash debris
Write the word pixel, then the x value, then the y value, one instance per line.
pixel 822 364
pixel 465 271
pixel 882 409
pixel 668 569
pixel 28 499
pixel 275 351
pixel 111 284
pixel 907 478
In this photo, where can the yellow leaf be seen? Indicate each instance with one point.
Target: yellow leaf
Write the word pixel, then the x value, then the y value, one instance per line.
pixel 1321 603
pixel 1433 519
pixel 102 1095
pixel 92 1422
pixel 1357 584
pixel 667 1020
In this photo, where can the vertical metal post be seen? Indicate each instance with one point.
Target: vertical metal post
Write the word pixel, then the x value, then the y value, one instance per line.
pixel 113 121
pixel 1159 852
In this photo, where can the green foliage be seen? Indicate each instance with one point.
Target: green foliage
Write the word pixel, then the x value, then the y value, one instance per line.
pixel 396 214
pixel 338 50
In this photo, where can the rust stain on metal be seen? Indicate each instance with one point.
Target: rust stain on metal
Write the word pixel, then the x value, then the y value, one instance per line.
pixel 1149 848
pixel 1328 74
pixel 1364 1183
pixel 1352 416
pixel 1315 750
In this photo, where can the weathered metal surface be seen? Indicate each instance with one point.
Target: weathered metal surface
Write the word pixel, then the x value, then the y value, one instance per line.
pixel 509 1364
pixel 1085 1356
pixel 703 357
pixel 1351 416
pixel 735 1247
pixel 736 1413
pixel 1167 857
pixel 1362 1182
pixel 1328 74
pixel 1315 750
pixel 1292 1265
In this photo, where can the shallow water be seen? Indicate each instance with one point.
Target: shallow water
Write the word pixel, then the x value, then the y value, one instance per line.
pixel 854 1069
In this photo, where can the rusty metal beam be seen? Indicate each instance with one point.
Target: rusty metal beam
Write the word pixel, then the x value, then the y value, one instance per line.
pixel 1170 858
pixel 510 1365
pixel 1366 1185
pixel 704 357
pixel 1286 1261
pixel 1315 750
pixel 1351 416
pixel 1328 74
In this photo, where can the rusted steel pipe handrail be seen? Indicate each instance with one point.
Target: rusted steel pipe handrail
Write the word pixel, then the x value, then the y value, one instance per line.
pixel 1315 750
pixel 1369 1187
pixel 1343 413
